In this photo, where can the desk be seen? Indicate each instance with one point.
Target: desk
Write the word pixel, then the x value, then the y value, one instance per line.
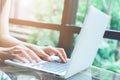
pixel 22 74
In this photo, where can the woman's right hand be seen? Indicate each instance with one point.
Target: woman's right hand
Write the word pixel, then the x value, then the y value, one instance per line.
pixel 19 53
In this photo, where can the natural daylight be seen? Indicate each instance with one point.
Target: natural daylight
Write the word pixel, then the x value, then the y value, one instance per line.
pixel 32 31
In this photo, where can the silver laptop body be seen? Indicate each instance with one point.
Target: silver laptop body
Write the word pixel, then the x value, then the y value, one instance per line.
pixel 84 51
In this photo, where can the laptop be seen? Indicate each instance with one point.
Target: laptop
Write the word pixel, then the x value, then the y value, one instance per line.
pixel 84 52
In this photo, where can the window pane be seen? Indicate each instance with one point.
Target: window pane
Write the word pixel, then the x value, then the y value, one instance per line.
pixel 41 37
pixel 48 11
pixel 44 37
pixel 114 12
pixel 108 56
pixel 81 12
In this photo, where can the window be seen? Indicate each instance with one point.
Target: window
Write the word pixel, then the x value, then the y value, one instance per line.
pixel 62 19
pixel 81 12
pixel 47 11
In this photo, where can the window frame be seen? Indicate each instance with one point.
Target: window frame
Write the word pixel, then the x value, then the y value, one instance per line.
pixel 66 28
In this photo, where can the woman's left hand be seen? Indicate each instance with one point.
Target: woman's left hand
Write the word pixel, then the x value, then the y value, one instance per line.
pixel 46 52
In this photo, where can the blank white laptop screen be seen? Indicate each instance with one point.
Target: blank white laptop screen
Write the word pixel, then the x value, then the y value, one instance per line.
pixel 86 47
pixel 89 40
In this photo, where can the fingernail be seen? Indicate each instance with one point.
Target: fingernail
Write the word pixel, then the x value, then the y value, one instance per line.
pixel 65 61
pixel 39 60
pixel 48 59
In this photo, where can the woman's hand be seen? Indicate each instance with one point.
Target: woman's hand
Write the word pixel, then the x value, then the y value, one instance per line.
pixel 56 51
pixel 46 52
pixel 19 53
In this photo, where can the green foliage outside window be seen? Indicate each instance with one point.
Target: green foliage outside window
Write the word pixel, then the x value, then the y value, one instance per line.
pixel 106 54
pixel 105 57
pixel 47 11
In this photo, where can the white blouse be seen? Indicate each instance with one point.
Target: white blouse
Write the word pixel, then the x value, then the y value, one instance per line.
pixel 4 76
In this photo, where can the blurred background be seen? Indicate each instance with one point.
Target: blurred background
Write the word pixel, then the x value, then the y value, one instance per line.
pixel 50 11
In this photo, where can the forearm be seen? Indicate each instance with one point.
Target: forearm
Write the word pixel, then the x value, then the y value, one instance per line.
pixel 4 16
pixel 8 41
pixel 5 39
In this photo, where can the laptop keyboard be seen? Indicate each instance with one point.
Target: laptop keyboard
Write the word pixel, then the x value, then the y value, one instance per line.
pixel 52 66
pixel 57 67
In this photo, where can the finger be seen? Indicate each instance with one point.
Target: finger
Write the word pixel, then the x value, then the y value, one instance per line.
pixel 40 52
pixel 56 52
pixel 34 56
pixel 62 51
pixel 21 59
pixel 16 60
pixel 44 55
pixel 6 55
pixel 18 47
pixel 23 53
pixel 31 53
pixel 25 60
